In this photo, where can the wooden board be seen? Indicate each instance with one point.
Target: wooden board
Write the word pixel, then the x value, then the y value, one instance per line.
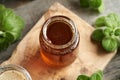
pixel 91 57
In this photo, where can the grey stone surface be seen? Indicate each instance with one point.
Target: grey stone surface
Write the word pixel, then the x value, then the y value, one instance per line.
pixel 33 11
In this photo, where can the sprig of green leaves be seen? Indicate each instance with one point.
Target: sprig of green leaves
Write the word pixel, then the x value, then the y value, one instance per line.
pixel 93 4
pixel 11 26
pixel 108 31
pixel 95 76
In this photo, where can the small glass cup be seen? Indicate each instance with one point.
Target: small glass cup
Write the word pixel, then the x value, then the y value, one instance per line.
pixel 61 51
pixel 20 70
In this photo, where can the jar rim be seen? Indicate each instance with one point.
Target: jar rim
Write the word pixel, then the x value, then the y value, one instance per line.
pixel 16 68
pixel 63 19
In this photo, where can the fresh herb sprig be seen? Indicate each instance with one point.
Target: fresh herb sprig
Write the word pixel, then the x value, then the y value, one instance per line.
pixel 108 31
pixel 95 76
pixel 11 26
pixel 93 4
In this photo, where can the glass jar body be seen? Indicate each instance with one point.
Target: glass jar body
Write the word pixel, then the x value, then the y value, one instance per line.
pixel 10 72
pixel 59 55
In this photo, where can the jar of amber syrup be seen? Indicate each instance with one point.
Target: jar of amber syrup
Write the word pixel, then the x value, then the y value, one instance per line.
pixel 59 39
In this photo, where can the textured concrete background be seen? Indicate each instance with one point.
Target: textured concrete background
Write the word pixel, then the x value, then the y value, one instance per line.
pixel 31 11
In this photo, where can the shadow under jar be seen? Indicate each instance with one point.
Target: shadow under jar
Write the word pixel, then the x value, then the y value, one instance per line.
pixel 59 39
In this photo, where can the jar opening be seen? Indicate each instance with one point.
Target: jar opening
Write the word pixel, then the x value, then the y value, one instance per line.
pixel 59 32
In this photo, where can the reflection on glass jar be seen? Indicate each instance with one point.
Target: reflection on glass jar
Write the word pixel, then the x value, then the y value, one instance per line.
pixel 59 39
pixel 13 72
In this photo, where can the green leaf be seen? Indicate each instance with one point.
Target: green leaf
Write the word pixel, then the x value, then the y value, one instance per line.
pixel 9 37
pixel 117 32
pixel 15 34
pixel 4 45
pixel 2 34
pixel 118 40
pixel 84 3
pixel 97 76
pixel 95 3
pixel 83 77
pixel 2 40
pixel 101 7
pixel 100 22
pixel 98 35
pixel 100 72
pixel 2 7
pixel 11 26
pixel 10 21
pixel 112 20
pixel 109 44
pixel 3 15
pixel 6 40
pixel 112 31
pixel 108 31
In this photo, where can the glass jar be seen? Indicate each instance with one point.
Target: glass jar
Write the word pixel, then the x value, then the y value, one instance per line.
pixel 59 39
pixel 14 72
